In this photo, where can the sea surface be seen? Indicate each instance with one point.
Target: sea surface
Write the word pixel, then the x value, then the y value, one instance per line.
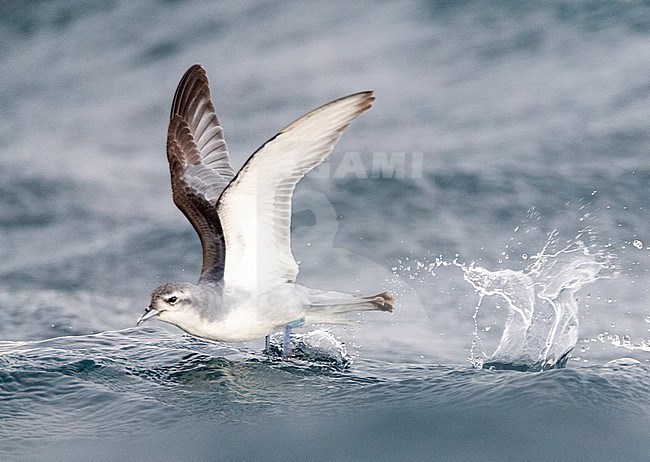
pixel 499 187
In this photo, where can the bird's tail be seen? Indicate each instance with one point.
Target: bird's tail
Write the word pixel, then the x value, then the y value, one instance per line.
pixel 326 306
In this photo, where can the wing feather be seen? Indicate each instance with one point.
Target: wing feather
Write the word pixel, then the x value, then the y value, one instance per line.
pixel 255 209
pixel 199 166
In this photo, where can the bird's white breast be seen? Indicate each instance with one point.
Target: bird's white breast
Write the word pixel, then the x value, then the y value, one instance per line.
pixel 248 315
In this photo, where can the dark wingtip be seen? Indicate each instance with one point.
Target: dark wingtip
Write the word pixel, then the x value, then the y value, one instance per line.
pixel 193 82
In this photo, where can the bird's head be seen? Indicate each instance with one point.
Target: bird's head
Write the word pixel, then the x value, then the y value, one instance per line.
pixel 172 302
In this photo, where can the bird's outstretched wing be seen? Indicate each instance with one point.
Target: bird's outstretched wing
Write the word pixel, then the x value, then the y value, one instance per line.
pixel 255 209
pixel 199 166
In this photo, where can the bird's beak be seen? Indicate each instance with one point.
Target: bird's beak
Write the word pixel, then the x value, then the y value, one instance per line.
pixel 149 313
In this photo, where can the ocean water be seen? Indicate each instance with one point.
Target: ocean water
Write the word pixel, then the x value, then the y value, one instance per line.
pixel 499 187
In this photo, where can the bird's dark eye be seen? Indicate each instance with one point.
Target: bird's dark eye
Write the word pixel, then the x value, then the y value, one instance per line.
pixel 173 299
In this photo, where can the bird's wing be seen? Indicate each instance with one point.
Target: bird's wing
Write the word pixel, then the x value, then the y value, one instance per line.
pixel 199 166
pixel 255 209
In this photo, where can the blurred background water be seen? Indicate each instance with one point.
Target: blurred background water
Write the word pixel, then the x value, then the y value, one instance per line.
pixel 511 120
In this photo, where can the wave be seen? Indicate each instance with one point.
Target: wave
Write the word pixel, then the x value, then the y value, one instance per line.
pixel 137 387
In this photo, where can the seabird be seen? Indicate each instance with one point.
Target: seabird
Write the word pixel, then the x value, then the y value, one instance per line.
pixel 247 286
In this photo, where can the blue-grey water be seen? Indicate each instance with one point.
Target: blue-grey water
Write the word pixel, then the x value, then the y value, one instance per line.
pixel 499 186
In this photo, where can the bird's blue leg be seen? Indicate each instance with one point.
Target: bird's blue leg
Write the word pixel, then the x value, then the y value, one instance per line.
pixel 286 338
pixel 286 341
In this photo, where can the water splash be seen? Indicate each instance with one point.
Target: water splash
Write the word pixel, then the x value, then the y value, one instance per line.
pixel 617 341
pixel 542 324
pixel 316 347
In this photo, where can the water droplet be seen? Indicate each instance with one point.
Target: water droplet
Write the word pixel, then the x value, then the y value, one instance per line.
pixel 487 328
pixel 638 244
pixel 647 319
pixel 524 256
